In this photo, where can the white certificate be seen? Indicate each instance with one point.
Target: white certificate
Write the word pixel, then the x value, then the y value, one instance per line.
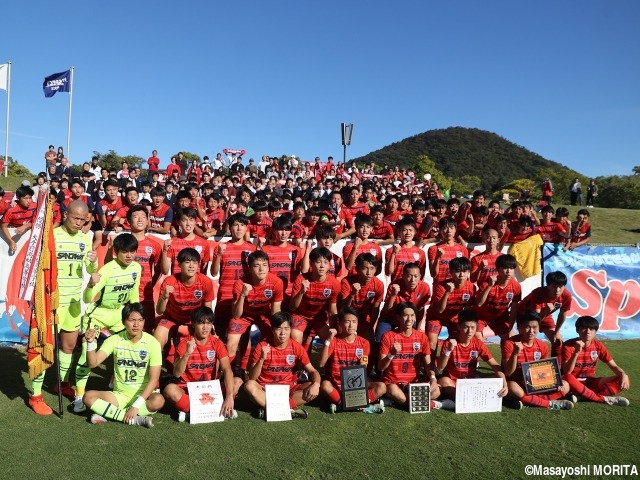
pixel 478 395
pixel 205 401
pixel 278 408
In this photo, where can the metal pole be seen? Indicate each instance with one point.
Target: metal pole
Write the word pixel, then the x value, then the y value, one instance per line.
pixel 69 126
pixel 6 141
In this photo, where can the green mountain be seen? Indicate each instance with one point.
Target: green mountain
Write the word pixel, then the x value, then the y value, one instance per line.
pixel 459 151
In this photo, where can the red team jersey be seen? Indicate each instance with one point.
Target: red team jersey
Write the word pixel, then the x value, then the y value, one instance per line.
pixel 344 354
pixel 261 297
pixel 162 214
pixel 587 359
pixel 278 367
pixel 369 294
pixel 537 301
pixel 285 263
pixel 109 210
pixel 579 234
pixel 458 299
pixel 463 361
pixel 368 247
pixel 537 351
pixel 411 254
pixel 122 213
pixel 343 214
pixel 186 299
pixel 260 228
pixel 405 365
pixel 359 207
pixel 450 252
pixel 18 216
pixel 485 272
pixel 203 361
pixel 202 246
pixel 393 218
pixel 215 218
pixel 147 255
pixel 499 300
pixel 381 232
pixel 233 266
pixel 551 232
pixel 315 302
pixel 419 297
pixel 298 230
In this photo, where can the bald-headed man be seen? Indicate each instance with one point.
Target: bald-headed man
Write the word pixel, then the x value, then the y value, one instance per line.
pixel 73 251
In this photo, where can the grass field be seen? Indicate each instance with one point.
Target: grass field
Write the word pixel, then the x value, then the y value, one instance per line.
pixel 395 445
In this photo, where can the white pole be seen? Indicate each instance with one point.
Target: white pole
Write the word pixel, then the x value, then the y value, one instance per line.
pixel 69 126
pixel 6 140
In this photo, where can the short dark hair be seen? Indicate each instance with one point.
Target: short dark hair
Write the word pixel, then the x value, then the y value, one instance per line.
pixel 125 242
pixel 202 314
pixel 279 318
pixel 320 252
pixel 556 278
pixel 188 255
pixel 129 308
pixel 587 321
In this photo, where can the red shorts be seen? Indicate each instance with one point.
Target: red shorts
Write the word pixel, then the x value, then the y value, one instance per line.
pixel 611 388
pixel 301 324
pixel 547 323
pixel 500 326
pixel 169 324
pixel 434 326
pixel 237 326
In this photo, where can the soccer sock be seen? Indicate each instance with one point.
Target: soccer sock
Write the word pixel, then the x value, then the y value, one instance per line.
pixel 334 396
pixel 64 359
pixel 108 410
pixel 36 384
pixel 184 404
pixel 371 395
pixel 581 389
pixel 292 403
pixel 535 401
pixel 82 371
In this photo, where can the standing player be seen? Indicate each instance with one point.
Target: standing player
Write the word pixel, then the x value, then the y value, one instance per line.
pixel 444 251
pixel 344 349
pixel 404 252
pixel 186 238
pixel 483 265
pixel 579 359
pixel 315 296
pixel 199 357
pixel 106 209
pixel 459 358
pixel 137 361
pixel 256 297
pixel 180 295
pixel 274 361
pixel 108 291
pixel 360 245
pixel 72 255
pixel 230 261
pixel 525 347
pixel 403 352
pixel 284 257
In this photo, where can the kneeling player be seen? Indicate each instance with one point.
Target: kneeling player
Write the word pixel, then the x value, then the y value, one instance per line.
pixel 402 352
pixel 459 357
pixel 274 362
pixel 137 361
pixel 526 347
pixel 579 358
pixel 198 359
pixel 344 349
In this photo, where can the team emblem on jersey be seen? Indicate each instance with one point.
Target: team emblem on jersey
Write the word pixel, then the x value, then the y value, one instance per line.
pixel 292 255
pixel 268 293
pixel 458 254
pixel 134 275
pixel 466 297
pixel 291 359
pixel 557 305
pixel 326 292
pixel 416 346
pixel 416 256
pixel 199 248
pixel 82 246
pixel 473 354
pixel 211 354
pixel 371 294
pixel 148 250
pixel 359 352
pixel 198 294
pixel 594 355
pixel 510 296
pixel 143 354
pixel 537 355
pixel 373 252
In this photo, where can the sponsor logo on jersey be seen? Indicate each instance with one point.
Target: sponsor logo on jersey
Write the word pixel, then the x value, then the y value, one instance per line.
pixel 143 354
pixel 416 346
pixel 537 355
pixel 148 250
pixel 371 294
pixel 474 353
pixel 82 246
pixel 291 359
pixel 594 355
pixel 211 354
pixel 326 292
pixel 134 275
pixel 510 296
pixel 268 293
pixel 466 297
pixel 198 294
pixel 359 352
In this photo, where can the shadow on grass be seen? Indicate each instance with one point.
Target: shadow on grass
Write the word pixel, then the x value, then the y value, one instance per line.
pixel 14 366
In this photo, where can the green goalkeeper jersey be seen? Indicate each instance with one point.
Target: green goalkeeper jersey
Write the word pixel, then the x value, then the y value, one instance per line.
pixel 71 255
pixel 118 285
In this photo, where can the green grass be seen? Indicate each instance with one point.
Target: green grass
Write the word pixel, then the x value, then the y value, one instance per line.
pixel 350 445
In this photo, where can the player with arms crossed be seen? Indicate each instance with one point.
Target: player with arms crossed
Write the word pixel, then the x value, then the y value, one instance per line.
pixel 137 361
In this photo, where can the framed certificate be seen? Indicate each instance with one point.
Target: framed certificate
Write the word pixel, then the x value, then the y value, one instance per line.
pixel 542 375
pixel 419 398
pixel 354 387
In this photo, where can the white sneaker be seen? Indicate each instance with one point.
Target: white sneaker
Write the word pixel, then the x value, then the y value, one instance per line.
pixel 78 405
pixel 436 405
pixel 182 416
pixel 560 405
pixel 144 421
pixel 233 416
pixel 96 419
pixel 619 401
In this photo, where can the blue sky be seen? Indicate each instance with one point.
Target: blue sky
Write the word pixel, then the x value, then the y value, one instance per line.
pixel 559 78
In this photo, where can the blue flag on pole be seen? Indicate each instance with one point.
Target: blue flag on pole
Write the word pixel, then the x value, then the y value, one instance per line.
pixel 58 82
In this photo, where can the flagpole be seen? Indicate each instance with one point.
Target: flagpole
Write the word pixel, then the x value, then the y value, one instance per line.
pixel 6 140
pixel 69 126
